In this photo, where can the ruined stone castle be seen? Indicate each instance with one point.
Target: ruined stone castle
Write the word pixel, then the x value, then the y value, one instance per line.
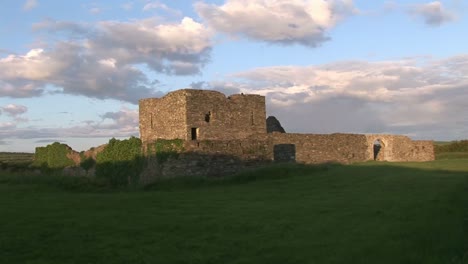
pixel 220 133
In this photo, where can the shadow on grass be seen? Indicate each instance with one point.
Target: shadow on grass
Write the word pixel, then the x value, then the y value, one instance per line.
pixel 271 172
pixel 56 180
pixel 266 173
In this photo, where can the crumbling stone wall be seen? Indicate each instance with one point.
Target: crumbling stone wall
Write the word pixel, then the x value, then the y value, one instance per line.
pixel 210 158
pixel 92 152
pixel 224 157
pixel 421 150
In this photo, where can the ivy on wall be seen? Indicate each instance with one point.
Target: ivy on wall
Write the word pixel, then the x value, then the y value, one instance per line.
pixel 121 161
pixel 164 149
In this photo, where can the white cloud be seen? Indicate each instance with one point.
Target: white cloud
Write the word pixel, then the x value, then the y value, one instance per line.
pixel 122 123
pixel 6 126
pixel 304 22
pixel 20 119
pixel 53 26
pixel 103 61
pixel 163 7
pixel 95 10
pixel 14 109
pixel 126 120
pixel 420 97
pixel 154 5
pixel 30 4
pixel 433 13
pixel 127 6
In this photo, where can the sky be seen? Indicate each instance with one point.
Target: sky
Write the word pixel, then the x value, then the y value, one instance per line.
pixel 73 71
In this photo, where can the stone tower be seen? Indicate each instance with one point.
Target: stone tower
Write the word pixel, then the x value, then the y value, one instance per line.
pixel 191 114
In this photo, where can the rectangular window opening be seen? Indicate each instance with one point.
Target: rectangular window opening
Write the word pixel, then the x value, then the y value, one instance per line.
pixel 194 133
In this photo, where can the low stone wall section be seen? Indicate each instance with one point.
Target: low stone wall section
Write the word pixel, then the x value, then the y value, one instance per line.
pixel 319 148
pixel 224 157
pixel 210 158
pixel 397 148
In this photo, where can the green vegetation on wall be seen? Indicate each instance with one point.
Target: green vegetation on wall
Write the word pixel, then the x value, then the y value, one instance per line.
pixel 121 162
pixel 164 149
pixel 53 156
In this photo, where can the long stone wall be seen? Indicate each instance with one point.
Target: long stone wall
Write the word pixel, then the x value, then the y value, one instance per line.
pixel 224 157
pixel 316 148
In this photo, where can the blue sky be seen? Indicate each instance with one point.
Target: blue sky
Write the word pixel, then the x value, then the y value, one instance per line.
pixel 73 71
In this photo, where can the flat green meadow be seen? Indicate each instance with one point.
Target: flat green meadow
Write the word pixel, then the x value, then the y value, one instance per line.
pixel 361 213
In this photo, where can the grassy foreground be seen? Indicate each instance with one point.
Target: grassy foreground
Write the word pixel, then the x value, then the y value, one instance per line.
pixel 363 213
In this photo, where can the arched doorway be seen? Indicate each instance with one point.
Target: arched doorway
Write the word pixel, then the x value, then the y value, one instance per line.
pixel 378 147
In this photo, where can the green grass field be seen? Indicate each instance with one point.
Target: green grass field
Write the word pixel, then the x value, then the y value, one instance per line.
pixel 362 213
pixel 15 160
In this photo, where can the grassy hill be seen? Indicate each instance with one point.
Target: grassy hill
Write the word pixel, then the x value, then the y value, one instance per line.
pixel 363 213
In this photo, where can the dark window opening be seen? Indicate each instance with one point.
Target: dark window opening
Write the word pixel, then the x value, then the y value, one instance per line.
pixel 284 153
pixel 194 133
pixel 377 149
pixel 208 117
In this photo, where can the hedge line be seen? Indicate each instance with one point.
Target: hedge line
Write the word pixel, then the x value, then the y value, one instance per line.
pixel 455 146
pixel 120 163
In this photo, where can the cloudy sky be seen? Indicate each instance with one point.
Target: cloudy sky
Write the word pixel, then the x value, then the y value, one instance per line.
pixel 73 71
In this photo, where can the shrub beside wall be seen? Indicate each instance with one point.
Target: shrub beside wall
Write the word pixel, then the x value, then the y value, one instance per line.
pixel 121 162
pixel 53 156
